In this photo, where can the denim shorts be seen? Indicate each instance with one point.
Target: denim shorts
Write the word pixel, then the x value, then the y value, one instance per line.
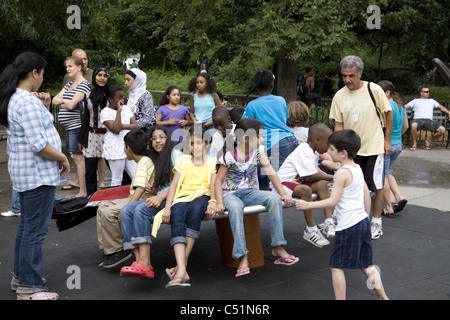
pixel 72 141
pixel 390 159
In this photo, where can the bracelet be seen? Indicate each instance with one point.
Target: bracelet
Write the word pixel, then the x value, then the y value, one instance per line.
pixel 212 200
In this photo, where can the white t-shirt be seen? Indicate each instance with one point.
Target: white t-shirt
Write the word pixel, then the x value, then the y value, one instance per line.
pixel 301 133
pixel 423 108
pixel 217 142
pixel 302 161
pixel 350 208
pixel 113 145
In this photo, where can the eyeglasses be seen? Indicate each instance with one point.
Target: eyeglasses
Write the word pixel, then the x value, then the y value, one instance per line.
pixel 426 91
pixel 162 138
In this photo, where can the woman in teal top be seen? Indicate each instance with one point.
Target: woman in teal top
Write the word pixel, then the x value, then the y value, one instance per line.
pixel 204 100
pixel 400 125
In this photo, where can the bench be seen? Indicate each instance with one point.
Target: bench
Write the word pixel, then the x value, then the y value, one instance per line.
pixel 252 236
pixel 438 116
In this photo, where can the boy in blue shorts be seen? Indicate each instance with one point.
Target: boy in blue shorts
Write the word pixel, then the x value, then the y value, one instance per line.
pixel 352 246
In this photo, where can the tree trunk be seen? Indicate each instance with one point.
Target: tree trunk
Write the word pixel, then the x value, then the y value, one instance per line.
pixel 285 71
pixel 164 66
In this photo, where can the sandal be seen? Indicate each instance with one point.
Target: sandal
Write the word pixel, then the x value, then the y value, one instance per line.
pixel 413 148
pixel 389 215
pixel 242 271
pixel 41 295
pixel 182 283
pixel 137 270
pixel 284 262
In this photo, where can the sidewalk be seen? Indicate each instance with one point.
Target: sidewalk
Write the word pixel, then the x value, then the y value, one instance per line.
pixel 413 254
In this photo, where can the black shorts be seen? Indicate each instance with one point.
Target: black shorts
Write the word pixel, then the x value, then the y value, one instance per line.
pixel 373 170
pixel 427 124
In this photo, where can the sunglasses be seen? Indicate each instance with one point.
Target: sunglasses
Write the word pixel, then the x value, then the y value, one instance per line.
pixel 426 91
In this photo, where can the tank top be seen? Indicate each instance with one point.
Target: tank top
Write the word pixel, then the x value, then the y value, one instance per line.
pixel 350 208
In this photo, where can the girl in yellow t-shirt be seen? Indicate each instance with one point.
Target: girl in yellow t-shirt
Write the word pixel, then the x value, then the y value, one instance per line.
pixel 190 197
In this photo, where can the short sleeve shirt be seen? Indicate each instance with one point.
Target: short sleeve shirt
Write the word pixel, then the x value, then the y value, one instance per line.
pixel 71 119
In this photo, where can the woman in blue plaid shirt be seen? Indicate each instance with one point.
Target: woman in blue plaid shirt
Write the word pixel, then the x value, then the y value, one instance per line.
pixel 35 166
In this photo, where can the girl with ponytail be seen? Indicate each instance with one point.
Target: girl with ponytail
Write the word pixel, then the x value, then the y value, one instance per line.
pixel 35 161
pixel 272 111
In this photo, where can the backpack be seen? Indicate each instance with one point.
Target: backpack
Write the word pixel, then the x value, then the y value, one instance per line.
pixel 302 89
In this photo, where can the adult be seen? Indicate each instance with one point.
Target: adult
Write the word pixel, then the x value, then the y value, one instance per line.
pixel 35 161
pixel 69 117
pixel 272 111
pixel 87 73
pixel 140 101
pixel 204 65
pixel 423 118
pixel 92 131
pixel 353 108
pixel 307 85
pixel 399 127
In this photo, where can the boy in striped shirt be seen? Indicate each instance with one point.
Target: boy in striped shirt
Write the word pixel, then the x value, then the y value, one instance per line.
pixel 109 232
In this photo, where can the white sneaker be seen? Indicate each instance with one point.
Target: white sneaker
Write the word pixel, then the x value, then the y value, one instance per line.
pixel 376 230
pixel 10 214
pixel 327 228
pixel 316 238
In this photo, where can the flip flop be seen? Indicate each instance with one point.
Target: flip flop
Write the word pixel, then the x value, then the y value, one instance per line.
pixel 169 274
pixel 400 206
pixel 427 147
pixel 182 283
pixel 69 187
pixel 413 148
pixel 41 295
pixel 242 271
pixel 389 215
pixel 284 262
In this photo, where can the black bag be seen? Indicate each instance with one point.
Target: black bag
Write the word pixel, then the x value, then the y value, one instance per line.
pixel 376 109
pixel 302 89
pixel 71 212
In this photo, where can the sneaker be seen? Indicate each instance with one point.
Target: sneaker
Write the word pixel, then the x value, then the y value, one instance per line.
pixel 10 214
pixel 316 238
pixel 327 228
pixel 376 230
pixel 117 258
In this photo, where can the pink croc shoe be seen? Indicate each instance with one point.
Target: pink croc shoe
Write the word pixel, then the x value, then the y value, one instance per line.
pixel 41 295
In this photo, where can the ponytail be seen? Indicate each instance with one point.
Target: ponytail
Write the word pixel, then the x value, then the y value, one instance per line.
pixel 12 75
pixel 262 80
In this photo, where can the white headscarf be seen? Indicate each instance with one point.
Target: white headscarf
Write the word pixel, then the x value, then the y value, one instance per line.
pixel 138 88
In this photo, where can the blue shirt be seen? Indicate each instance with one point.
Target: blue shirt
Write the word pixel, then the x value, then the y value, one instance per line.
pixel 30 130
pixel 203 107
pixel 397 125
pixel 272 111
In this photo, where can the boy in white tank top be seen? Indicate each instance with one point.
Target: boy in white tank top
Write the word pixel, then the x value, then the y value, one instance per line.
pixel 352 246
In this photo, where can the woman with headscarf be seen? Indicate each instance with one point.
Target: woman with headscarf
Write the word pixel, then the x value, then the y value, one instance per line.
pixel 92 130
pixel 140 101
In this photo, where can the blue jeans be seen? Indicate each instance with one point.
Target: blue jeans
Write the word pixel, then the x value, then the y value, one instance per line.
pixel 36 212
pixel 136 221
pixel 236 201
pixel 15 205
pixel 185 219
pixel 390 159
pixel 277 155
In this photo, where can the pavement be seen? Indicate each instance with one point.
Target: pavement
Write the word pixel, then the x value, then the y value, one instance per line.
pixel 413 255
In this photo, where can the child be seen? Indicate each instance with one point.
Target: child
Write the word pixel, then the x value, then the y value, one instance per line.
pixel 236 114
pixel 237 186
pixel 190 196
pixel 204 100
pixel 119 120
pixel 352 247
pixel 298 120
pixel 136 218
pixel 109 234
pixel 224 126
pixel 172 114
pixel 304 163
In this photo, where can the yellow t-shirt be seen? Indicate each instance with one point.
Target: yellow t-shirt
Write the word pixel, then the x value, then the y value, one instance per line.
pixel 355 109
pixel 144 174
pixel 194 178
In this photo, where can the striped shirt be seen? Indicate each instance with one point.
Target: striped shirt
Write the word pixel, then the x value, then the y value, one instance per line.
pixel 71 119
pixel 144 174
pixel 30 130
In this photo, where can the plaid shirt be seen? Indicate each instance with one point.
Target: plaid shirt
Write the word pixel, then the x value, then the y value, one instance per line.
pixel 30 130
